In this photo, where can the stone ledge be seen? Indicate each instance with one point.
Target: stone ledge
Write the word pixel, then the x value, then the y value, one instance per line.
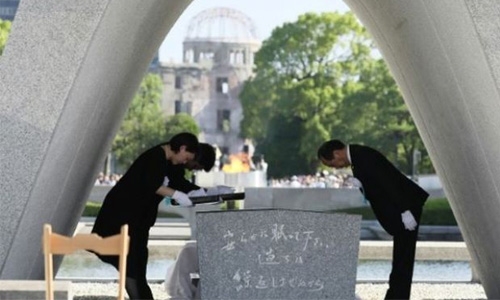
pixel 33 289
pixel 382 250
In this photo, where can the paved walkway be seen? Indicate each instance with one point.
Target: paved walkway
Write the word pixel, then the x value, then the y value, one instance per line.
pixel 364 291
pixel 169 235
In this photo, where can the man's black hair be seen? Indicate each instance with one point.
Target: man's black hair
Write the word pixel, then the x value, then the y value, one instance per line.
pixel 184 139
pixel 326 150
pixel 206 156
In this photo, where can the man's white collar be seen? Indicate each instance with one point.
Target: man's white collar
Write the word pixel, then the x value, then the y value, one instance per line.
pixel 349 155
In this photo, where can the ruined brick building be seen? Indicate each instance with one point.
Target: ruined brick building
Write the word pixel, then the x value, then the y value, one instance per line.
pixel 218 56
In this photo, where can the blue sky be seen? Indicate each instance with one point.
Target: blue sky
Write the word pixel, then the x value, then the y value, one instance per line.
pixel 266 15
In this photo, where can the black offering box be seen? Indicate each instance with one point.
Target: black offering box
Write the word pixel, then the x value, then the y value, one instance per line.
pixel 214 198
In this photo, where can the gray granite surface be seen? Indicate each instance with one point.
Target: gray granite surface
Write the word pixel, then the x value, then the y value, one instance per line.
pixel 67 75
pixel 277 254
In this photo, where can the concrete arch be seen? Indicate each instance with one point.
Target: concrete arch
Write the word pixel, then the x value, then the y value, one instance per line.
pixel 70 69
pixel 445 58
pixel 67 75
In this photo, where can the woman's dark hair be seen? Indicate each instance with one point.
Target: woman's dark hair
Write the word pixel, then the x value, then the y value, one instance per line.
pixel 184 139
pixel 206 156
pixel 326 150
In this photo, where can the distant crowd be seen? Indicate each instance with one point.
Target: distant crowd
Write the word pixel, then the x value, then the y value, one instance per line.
pixel 319 180
pixel 110 180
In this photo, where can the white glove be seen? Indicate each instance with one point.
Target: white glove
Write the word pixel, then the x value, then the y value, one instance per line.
pixel 182 199
pixel 220 190
pixel 409 220
pixel 197 193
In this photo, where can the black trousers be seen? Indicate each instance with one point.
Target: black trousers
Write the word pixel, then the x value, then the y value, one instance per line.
pixel 403 260
pixel 136 283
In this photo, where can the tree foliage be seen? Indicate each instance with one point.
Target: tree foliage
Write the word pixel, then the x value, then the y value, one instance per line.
pixel 299 77
pixel 144 123
pixel 181 122
pixel 317 79
pixel 4 33
pixel 374 113
pixel 393 129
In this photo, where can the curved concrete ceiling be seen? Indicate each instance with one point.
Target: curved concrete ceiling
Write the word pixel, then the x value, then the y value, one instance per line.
pixel 67 75
pixel 70 69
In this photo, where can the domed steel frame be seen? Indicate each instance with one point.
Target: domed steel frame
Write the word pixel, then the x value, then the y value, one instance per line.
pixel 221 24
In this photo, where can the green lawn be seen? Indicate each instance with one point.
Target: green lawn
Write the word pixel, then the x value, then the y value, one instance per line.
pixel 436 212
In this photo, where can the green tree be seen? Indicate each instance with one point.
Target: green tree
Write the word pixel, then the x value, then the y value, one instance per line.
pixel 144 123
pixel 181 123
pixel 282 145
pixel 395 131
pixel 178 123
pixel 4 33
pixel 376 115
pixel 300 78
pixel 316 79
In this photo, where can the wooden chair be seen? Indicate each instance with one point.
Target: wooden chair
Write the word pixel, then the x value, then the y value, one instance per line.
pixel 54 243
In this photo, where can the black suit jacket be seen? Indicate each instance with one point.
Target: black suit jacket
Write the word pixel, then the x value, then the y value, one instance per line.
pixel 178 180
pixel 388 190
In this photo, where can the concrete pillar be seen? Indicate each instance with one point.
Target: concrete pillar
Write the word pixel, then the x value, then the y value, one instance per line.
pixel 67 75
pixel 445 57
